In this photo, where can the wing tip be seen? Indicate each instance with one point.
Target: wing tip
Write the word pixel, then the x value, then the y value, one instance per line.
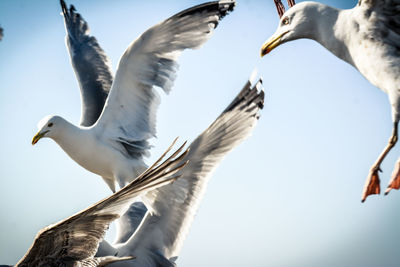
pixel 251 95
pixel 220 8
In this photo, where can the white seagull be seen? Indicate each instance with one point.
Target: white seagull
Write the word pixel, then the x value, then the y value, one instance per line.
pixel 114 146
pixel 75 240
pixel 156 238
pixel 367 37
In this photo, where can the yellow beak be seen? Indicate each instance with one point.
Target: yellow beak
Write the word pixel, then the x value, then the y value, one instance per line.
pixel 38 136
pixel 271 43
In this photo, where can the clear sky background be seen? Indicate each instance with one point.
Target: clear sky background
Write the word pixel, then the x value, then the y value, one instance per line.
pixel 288 196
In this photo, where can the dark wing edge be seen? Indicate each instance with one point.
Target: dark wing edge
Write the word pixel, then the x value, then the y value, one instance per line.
pixel 150 62
pixel 174 206
pixel 77 237
pixel 91 65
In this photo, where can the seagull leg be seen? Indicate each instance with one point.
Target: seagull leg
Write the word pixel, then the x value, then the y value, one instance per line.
pixel 395 181
pixel 372 183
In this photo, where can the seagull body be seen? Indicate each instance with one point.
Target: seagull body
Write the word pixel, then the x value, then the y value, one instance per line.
pixel 114 142
pixel 154 236
pixel 75 240
pixel 367 37
pixel 157 238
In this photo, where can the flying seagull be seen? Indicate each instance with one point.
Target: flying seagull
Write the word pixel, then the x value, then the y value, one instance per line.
pixel 75 240
pixel 164 228
pixel 114 146
pixel 368 38
pixel 1 33
pixel 156 240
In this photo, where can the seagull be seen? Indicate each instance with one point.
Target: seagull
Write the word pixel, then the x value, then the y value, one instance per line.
pixel 368 38
pixel 1 33
pixel 75 240
pixel 114 146
pixel 157 237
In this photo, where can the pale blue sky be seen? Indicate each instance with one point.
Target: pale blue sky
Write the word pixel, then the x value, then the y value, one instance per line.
pixel 288 196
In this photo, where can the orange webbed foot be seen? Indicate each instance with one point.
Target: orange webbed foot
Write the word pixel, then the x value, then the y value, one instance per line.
pixel 395 181
pixel 372 185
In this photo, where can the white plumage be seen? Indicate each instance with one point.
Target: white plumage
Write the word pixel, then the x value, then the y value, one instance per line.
pixel 368 38
pixel 114 146
pixel 75 240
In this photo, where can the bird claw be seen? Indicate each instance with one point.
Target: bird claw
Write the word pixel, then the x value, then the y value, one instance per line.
pixel 372 184
pixel 395 180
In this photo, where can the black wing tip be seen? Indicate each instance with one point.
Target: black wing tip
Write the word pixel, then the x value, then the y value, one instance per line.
pixel 64 9
pixel 220 8
pixel 250 94
pixel 260 94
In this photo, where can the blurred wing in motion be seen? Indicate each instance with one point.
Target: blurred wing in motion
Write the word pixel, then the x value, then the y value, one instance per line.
pixel 77 238
pixel 175 205
pixel 90 63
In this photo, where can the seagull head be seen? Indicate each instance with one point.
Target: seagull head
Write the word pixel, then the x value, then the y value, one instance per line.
pixel 47 128
pixel 297 22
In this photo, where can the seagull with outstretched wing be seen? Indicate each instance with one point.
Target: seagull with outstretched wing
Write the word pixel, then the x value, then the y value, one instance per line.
pixel 75 240
pixel 158 239
pixel 115 145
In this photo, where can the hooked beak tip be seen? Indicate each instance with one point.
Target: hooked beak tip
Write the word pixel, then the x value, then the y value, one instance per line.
pixel 272 43
pixel 38 136
pixel 264 51
pixel 34 140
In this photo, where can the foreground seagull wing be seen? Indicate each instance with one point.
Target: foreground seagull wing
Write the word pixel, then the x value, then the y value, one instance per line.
pixel 129 114
pixel 90 63
pixel 160 237
pixel 77 238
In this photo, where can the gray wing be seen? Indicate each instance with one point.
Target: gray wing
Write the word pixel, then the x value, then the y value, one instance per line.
pixel 384 24
pixel 77 238
pixel 130 221
pixel 90 63
pixel 175 205
pixel 1 33
pixel 129 115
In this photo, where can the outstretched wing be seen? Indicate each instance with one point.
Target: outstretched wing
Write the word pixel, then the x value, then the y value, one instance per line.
pixel 77 238
pixel 90 63
pixel 176 204
pixel 129 115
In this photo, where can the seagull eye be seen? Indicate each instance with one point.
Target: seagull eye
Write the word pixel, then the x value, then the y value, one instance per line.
pixel 50 124
pixel 285 21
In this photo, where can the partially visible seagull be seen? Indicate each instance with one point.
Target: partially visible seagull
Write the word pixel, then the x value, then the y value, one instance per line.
pixel 157 238
pixel 75 240
pixel 114 146
pixel 368 38
pixel 1 33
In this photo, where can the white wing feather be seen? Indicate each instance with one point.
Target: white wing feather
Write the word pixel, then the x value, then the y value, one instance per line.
pixel 150 61
pixel 176 204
